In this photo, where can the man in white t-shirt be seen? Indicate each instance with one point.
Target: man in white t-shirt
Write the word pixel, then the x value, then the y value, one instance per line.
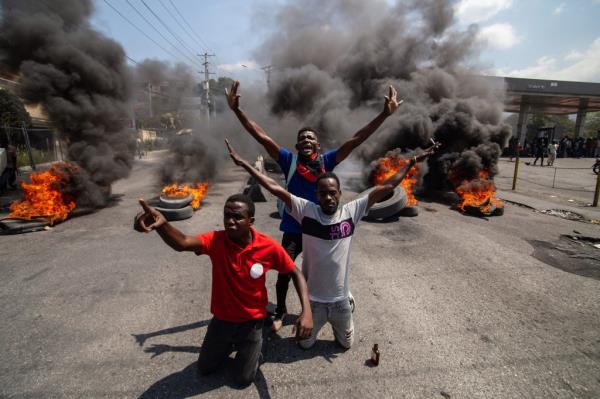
pixel 327 231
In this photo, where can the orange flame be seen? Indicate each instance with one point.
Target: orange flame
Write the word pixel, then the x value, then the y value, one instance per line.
pixel 478 192
pixel 44 196
pixel 198 190
pixel 388 166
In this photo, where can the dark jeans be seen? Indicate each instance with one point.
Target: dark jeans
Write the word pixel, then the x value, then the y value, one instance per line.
pixel 292 243
pixel 222 338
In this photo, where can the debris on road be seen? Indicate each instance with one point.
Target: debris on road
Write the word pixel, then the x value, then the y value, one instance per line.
pixel 562 213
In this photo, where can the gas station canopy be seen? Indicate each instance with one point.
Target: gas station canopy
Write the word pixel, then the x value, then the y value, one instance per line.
pixel 550 96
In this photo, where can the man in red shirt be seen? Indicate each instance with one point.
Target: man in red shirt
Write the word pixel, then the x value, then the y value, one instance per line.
pixel 240 257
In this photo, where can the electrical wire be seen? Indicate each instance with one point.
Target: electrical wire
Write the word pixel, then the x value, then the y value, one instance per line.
pixel 140 30
pixel 166 26
pixel 192 60
pixel 184 28
pixel 207 47
pixel 132 60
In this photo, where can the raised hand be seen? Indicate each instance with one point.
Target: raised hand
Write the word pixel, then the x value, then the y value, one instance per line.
pixel 391 102
pixel 428 151
pixel 233 99
pixel 233 154
pixel 148 220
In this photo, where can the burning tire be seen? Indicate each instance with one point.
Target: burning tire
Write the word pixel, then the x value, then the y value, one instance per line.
pixel 409 212
pixel 478 211
pixel 176 214
pixel 388 207
pixel 175 203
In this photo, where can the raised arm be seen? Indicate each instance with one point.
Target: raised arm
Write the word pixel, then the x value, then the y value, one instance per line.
pixel 390 106
pixel 263 180
pixel 233 99
pixel 151 219
pixel 383 190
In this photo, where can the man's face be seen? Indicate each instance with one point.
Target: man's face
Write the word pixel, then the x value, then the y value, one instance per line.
pixel 328 194
pixel 236 220
pixel 307 143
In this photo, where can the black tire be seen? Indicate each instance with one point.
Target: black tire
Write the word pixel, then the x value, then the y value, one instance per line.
pixel 174 203
pixel 254 192
pixel 389 206
pixel 176 214
pixel 409 212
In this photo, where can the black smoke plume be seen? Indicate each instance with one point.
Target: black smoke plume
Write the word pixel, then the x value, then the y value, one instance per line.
pixel 334 61
pixel 170 85
pixel 81 80
pixel 191 157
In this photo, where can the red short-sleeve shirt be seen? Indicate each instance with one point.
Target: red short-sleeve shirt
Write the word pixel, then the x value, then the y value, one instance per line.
pixel 238 274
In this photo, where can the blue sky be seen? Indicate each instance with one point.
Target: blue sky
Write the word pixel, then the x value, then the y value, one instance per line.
pixel 546 39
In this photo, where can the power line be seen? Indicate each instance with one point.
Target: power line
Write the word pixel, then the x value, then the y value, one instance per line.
pixel 140 30
pixel 132 60
pixel 184 28
pixel 191 29
pixel 167 27
pixel 193 61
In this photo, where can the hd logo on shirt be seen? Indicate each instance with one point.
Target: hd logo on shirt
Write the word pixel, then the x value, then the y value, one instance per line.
pixel 336 231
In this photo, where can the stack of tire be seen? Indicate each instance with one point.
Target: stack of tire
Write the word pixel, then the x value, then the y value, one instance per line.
pixel 391 207
pixel 177 208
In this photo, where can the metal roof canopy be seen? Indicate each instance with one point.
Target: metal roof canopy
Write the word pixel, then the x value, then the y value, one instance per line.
pixel 550 96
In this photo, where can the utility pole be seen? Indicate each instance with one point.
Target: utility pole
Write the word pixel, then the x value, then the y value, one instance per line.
pixel 267 70
pixel 206 81
pixel 150 99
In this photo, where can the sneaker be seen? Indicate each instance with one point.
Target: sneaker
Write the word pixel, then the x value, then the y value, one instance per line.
pixel 352 302
pixel 277 322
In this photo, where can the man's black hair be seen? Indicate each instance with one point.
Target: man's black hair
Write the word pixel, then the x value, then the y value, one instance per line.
pixel 244 199
pixel 307 129
pixel 329 175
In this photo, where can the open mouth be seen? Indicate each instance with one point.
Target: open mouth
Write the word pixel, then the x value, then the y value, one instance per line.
pixel 307 149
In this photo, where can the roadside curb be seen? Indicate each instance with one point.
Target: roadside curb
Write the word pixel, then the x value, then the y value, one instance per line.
pixel 544 206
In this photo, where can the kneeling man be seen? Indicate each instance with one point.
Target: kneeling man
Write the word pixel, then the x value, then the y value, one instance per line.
pixel 327 231
pixel 240 257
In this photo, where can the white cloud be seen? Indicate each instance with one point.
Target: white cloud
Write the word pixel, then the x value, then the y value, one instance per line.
pixel 474 11
pixel 501 36
pixel 559 9
pixel 585 66
pixel 238 66
pixel 574 55
pixel 540 70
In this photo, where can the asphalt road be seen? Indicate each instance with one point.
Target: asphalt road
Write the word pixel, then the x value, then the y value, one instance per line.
pixel 458 305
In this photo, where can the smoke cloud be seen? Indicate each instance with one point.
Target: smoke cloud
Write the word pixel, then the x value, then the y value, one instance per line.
pixel 170 84
pixel 332 65
pixel 334 62
pixel 81 80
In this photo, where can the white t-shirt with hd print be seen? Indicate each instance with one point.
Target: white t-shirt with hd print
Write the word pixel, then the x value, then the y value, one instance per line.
pixel 326 243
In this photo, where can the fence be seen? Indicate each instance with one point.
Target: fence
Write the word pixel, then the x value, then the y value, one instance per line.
pixel 34 145
pixel 574 179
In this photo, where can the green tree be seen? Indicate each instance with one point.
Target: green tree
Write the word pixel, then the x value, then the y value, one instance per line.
pixel 217 87
pixel 562 124
pixel 12 110
pixel 591 128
